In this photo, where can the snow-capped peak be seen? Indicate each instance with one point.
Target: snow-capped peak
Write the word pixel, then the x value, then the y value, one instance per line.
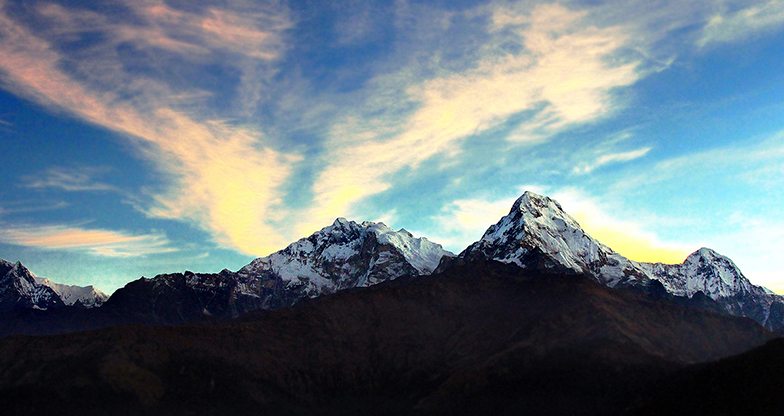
pixel 421 253
pixel 705 271
pixel 537 205
pixel 88 296
pixel 706 254
pixel 347 254
pixel 40 293
pixel 20 277
pixel 18 288
pixel 539 223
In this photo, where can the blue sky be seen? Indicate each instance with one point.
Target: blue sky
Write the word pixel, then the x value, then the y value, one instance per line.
pixel 149 136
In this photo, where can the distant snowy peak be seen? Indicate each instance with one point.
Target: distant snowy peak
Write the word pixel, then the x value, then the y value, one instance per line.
pixel 538 224
pixel 420 252
pixel 21 288
pixel 347 254
pixel 18 289
pixel 88 296
pixel 343 255
pixel 705 271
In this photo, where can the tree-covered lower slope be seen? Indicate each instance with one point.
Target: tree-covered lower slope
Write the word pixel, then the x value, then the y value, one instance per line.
pixel 480 338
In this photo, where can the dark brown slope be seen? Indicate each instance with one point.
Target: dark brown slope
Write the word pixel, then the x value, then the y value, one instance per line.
pixel 483 338
pixel 164 300
pixel 747 384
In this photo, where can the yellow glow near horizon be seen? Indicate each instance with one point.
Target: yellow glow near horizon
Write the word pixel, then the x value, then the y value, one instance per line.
pixel 638 247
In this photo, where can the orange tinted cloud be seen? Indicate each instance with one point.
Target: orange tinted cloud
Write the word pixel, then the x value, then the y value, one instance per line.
pixel 223 177
pixel 98 242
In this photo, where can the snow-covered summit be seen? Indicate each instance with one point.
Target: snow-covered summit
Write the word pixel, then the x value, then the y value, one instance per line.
pixel 18 288
pixel 21 288
pixel 88 296
pixel 347 254
pixel 704 271
pixel 539 223
pixel 343 255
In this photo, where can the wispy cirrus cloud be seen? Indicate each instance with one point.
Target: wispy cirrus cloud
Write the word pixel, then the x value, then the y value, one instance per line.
pixel 755 162
pixel 561 68
pixel 68 179
pixel 223 176
pixel 97 242
pixel 739 24
pixel 611 158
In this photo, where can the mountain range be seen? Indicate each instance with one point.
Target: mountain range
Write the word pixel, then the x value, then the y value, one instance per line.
pixel 19 288
pixel 477 339
pixel 348 255
pixel 536 317
pixel 705 278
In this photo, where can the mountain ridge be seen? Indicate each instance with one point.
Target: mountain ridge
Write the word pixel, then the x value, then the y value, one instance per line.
pixel 485 337
pixel 539 222
pixel 536 234
pixel 21 288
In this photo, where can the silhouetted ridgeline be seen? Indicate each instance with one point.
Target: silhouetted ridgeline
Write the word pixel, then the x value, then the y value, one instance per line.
pixel 482 338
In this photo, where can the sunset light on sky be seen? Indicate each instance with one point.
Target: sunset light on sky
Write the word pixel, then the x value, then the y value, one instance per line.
pixel 151 136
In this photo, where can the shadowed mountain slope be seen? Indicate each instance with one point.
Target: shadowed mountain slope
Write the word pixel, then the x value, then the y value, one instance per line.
pixel 478 338
pixel 747 384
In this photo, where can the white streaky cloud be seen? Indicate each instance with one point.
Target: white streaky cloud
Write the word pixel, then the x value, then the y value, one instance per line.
pixel 68 179
pixel 738 25
pixel 19 208
pixel 248 40
pixel 224 178
pixel 565 71
pixel 97 242
pixel 755 162
pixel 610 159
